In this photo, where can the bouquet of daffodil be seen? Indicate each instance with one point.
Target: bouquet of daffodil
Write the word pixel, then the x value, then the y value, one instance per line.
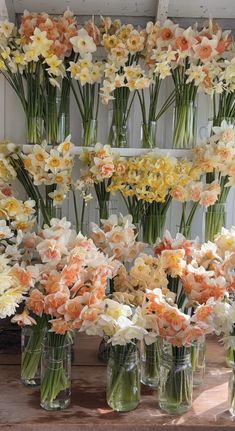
pixel 99 169
pixel 50 169
pixel 178 331
pixel 191 192
pixel 122 75
pixel 74 275
pixel 189 55
pixel 156 68
pixel 118 322
pixel 32 61
pixel 147 184
pixel 87 74
pixel 117 237
pixel 215 157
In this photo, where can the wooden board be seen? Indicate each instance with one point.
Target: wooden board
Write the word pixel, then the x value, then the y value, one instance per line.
pixel 20 410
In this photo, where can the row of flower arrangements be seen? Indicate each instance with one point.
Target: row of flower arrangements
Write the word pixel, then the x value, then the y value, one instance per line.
pixel 175 296
pixel 47 57
pixel 147 183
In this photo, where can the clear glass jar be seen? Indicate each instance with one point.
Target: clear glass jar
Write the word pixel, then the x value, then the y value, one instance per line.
pixel 198 359
pixel 148 134
pixel 214 220
pixel 47 211
pixel 176 379
pixel 230 357
pixel 184 125
pixel 152 227
pixel 231 393
pixel 31 349
pixel 89 133
pixel 104 209
pixel 119 127
pixel 150 363
pixel 56 372
pixel 123 378
pixel 35 129
pixel 57 113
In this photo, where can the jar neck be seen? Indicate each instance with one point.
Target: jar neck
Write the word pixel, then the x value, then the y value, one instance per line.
pixel 173 360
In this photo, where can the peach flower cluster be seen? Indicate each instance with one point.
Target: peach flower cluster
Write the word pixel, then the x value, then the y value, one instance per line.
pixel 69 277
pixel 217 154
pixel 99 163
pixel 166 320
pixel 58 30
pixel 117 237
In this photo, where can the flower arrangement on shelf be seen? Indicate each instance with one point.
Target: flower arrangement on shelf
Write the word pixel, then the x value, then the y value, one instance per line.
pixel 100 165
pixel 122 75
pixel 215 157
pixel 50 168
pixel 88 75
pixel 148 183
pixel 34 57
pixel 191 55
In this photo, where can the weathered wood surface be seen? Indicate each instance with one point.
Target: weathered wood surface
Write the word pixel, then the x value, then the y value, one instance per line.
pixel 20 410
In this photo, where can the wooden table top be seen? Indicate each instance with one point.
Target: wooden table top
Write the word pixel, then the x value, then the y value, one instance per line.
pixel 20 410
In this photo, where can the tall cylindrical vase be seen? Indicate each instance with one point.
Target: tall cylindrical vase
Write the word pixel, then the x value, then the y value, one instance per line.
pixel 198 359
pixel 214 220
pixel 56 372
pixel 149 134
pixel 150 363
pixel 31 349
pixel 57 113
pixel 123 378
pixel 184 124
pixel 118 130
pixel 152 227
pixel 89 133
pixel 176 380
pixel 104 209
pixel 35 129
pixel 231 392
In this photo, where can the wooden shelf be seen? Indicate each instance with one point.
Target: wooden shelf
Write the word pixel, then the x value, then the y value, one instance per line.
pixel 20 410
pixel 128 152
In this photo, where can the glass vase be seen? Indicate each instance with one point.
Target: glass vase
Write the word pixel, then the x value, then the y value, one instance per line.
pixel 176 379
pixel 123 378
pixel 118 131
pixel 230 357
pixel 89 133
pixel 35 130
pixel 56 372
pixel 231 393
pixel 149 134
pixel 47 211
pixel 152 227
pixel 214 220
pixel 184 125
pixel 63 111
pixel 57 113
pixel 31 349
pixel 104 209
pixel 150 363
pixel 198 359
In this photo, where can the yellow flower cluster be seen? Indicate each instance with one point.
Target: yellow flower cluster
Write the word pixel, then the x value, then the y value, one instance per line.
pixel 86 71
pixel 52 167
pixel 152 177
